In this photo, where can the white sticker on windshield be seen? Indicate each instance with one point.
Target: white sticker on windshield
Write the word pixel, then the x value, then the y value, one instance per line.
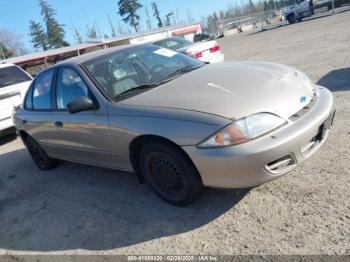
pixel 165 52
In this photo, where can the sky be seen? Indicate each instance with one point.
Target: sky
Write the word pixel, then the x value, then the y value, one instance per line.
pixel 16 14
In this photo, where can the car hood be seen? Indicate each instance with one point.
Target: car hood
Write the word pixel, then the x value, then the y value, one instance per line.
pixel 233 90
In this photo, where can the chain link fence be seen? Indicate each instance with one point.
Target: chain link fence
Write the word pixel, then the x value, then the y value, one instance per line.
pixel 261 20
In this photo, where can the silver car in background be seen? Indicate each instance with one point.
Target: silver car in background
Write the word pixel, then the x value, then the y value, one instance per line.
pixel 14 83
pixel 207 51
pixel 179 124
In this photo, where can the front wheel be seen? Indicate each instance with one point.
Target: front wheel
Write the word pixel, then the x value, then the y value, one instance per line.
pixel 170 174
pixel 291 19
pixel 39 156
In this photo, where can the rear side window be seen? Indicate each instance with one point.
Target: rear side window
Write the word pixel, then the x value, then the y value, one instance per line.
pixel 12 75
pixel 42 91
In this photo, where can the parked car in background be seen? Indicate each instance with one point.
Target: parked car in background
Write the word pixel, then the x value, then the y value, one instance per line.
pixel 207 52
pixel 207 36
pixel 297 11
pixel 176 122
pixel 14 83
pixel 202 37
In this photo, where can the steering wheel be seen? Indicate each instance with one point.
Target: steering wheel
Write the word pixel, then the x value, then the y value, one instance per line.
pixel 154 70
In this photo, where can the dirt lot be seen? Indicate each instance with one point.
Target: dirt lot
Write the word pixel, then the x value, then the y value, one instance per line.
pixel 81 209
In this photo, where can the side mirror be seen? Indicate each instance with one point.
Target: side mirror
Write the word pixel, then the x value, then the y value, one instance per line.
pixel 81 104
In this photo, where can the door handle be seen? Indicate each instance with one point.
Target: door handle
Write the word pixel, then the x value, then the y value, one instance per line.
pixel 58 124
pixel 24 122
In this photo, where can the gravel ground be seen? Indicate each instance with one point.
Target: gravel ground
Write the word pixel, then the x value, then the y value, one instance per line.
pixel 87 210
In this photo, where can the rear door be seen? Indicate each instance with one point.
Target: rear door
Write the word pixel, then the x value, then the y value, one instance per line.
pixel 36 118
pixel 85 136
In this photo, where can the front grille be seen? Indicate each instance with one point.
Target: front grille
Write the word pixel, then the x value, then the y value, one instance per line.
pixel 281 165
pixel 305 109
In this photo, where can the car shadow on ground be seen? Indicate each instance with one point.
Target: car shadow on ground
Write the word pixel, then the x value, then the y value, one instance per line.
pixel 82 207
pixel 336 80
pixel 7 139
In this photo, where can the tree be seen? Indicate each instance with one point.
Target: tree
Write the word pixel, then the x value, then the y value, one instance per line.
pixel 77 35
pixel 5 52
pixel 38 35
pixel 128 10
pixel 11 44
pixel 91 32
pixel 222 15
pixel 167 19
pixel 54 30
pixel 190 18
pixel 148 21
pixel 156 14
pixel 113 33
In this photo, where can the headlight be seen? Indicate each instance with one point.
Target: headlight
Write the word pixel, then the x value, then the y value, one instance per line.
pixel 243 130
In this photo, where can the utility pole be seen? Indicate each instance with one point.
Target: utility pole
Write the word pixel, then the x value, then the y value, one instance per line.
pixel 332 7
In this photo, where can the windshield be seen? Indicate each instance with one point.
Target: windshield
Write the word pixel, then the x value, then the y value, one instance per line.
pixel 125 71
pixel 12 75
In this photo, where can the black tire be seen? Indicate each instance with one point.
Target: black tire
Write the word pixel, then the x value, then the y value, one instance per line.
pixel 170 174
pixel 300 17
pixel 291 19
pixel 39 156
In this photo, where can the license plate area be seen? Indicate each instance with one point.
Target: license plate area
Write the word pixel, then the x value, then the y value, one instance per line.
pixel 322 131
pixel 310 147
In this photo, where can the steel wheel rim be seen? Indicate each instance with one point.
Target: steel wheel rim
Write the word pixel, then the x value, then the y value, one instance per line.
pixel 166 175
pixel 36 153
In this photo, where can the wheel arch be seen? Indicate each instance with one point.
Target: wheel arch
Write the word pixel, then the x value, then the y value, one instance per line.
pixel 137 143
pixel 23 134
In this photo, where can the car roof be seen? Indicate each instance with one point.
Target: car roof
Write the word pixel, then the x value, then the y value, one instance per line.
pixel 6 65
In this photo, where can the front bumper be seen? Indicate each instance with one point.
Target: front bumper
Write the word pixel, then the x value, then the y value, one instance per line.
pixel 217 58
pixel 250 164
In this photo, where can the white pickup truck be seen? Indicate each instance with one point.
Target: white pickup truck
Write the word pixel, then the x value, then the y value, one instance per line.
pixel 14 83
pixel 296 12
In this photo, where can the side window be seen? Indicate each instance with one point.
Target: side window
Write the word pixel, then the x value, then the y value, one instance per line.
pixel 70 86
pixel 172 44
pixel 42 91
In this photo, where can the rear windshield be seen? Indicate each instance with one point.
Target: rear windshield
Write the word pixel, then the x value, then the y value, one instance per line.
pixel 12 75
pixel 174 43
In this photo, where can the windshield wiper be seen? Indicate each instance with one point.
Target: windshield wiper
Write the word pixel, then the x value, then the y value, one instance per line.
pixel 140 87
pixel 181 71
pixel 153 85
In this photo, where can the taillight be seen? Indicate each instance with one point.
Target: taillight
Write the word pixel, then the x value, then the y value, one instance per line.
pixel 215 48
pixel 198 55
pixel 195 54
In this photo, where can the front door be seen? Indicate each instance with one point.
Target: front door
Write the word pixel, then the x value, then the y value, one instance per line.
pixel 85 136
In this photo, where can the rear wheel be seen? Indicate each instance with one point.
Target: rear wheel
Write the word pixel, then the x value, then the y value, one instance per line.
pixel 39 156
pixel 170 174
